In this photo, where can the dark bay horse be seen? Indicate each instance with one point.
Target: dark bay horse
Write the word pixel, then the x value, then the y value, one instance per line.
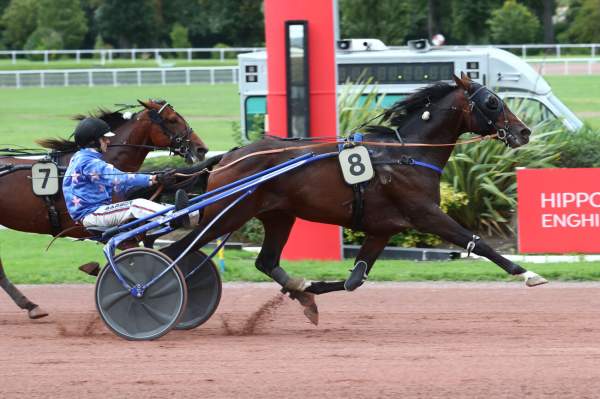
pixel 404 192
pixel 158 125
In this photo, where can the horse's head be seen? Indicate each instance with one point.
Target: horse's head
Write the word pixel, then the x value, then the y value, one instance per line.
pixel 488 114
pixel 168 129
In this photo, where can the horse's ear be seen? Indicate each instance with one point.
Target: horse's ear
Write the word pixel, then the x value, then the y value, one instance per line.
pixel 464 77
pixel 459 82
pixel 143 104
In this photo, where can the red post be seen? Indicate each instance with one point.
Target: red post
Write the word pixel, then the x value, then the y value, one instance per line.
pixel 308 240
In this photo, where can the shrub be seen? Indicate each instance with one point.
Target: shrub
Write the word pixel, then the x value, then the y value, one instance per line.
pixel 100 44
pixel 485 172
pixel 217 54
pixel 179 36
pixel 581 150
pixel 43 39
pixel 513 23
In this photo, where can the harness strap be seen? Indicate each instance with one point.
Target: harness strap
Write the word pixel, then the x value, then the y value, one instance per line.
pixel 404 160
pixel 53 215
pixel 358 205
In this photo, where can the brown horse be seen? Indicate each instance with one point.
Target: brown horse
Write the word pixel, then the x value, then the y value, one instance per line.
pixel 157 126
pixel 404 192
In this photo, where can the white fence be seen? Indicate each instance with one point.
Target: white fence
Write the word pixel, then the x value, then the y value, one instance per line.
pixel 118 77
pixel 566 66
pixel 557 50
pixel 107 55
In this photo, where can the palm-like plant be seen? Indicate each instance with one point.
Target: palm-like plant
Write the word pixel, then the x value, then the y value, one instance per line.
pixel 486 173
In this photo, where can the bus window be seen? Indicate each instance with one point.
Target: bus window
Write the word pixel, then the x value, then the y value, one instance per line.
pixel 391 99
pixel 256 109
pixel 531 111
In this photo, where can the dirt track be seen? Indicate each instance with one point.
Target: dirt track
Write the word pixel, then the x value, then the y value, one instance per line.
pixel 384 340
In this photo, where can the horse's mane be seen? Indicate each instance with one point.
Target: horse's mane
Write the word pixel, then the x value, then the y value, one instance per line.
pixel 113 118
pixel 398 114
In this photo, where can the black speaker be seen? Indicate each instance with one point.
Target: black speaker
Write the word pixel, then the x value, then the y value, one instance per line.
pixel 419 45
pixel 343 44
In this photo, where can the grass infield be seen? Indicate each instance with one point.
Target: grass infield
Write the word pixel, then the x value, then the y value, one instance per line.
pixel 26 262
pixel 33 113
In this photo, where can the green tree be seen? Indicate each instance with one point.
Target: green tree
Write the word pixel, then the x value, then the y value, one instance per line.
pixel 19 21
pixel 189 14
pixel 179 36
pixel 232 22
pixel 586 26
pixel 3 5
pixel 544 10
pixel 66 18
pixel 513 23
pixel 392 21
pixel 468 20
pixel 127 24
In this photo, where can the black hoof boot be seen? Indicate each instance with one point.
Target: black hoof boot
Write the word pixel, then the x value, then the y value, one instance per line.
pixel 358 276
pixel 181 201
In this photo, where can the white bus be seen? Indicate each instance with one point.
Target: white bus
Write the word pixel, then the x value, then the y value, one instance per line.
pixel 399 72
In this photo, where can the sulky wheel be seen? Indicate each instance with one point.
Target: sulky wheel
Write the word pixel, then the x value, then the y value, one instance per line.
pixel 204 290
pixel 160 307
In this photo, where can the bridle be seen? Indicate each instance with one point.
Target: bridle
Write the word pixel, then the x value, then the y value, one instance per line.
pixel 180 144
pixel 493 108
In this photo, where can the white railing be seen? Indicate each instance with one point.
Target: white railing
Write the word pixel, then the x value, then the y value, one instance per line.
pixel 108 55
pixel 118 76
pixel 565 66
pixel 524 50
pixel 556 49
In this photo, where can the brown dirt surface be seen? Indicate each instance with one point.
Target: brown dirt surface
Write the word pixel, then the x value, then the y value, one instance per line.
pixel 401 340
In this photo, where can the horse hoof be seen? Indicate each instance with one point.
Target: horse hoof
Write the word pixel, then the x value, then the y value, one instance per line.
pixel 307 300
pixel 535 280
pixel 37 313
pixel 91 268
pixel 312 314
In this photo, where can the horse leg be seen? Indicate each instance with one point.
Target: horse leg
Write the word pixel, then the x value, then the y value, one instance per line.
pixel 277 230
pixel 367 255
pixel 437 222
pixel 33 310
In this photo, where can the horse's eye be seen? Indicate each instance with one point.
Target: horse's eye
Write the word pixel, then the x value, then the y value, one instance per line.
pixel 491 102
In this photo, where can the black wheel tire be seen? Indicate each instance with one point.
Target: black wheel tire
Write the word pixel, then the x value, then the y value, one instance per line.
pixel 157 311
pixel 204 290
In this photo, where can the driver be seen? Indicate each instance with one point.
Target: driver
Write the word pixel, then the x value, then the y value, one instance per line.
pixel 90 183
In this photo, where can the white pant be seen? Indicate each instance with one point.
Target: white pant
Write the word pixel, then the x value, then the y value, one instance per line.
pixel 120 212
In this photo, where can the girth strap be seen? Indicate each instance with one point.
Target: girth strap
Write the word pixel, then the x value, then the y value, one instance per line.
pixel 404 160
pixel 53 216
pixel 358 205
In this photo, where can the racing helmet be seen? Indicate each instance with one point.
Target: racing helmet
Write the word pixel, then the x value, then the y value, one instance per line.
pixel 89 130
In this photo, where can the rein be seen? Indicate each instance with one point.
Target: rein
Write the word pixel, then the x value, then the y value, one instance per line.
pixel 318 145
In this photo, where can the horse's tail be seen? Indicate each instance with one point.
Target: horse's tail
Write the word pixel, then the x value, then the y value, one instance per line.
pixel 58 144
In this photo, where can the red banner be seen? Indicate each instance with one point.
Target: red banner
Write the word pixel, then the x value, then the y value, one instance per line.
pixel 559 210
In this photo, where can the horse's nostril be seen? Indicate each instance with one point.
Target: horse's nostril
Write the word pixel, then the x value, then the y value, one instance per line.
pixel 525 132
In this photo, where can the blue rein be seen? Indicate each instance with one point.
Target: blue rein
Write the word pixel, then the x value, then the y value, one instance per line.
pixel 428 165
